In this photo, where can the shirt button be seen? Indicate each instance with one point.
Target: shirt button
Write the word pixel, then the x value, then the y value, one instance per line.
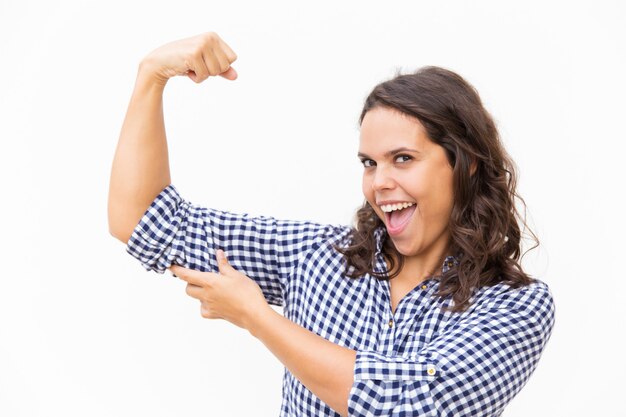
pixel 390 324
pixel 424 287
pixel 431 370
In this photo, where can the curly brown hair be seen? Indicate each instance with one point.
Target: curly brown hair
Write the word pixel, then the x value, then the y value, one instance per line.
pixel 484 220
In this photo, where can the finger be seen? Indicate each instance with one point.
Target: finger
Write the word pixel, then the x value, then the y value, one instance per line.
pixel 222 263
pixel 230 74
pixel 194 291
pixel 221 60
pixel 206 311
pixel 211 62
pixel 190 275
pixel 225 68
pixel 200 69
pixel 232 56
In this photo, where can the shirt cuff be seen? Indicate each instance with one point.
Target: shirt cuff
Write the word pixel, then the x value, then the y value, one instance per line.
pixel 393 385
pixel 162 223
pixel 377 366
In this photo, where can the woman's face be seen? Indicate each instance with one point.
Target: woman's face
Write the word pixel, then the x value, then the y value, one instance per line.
pixel 404 168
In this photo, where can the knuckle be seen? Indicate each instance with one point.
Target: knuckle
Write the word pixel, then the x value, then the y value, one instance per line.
pixel 230 56
pixel 205 310
pixel 211 37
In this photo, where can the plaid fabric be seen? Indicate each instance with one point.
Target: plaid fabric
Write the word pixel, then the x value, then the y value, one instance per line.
pixel 419 361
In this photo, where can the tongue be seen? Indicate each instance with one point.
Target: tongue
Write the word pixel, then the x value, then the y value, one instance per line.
pixel 399 217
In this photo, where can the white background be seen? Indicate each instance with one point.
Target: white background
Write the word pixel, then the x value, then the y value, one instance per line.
pixel 84 330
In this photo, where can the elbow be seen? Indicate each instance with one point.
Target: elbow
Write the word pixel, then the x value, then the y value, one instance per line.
pixel 122 221
pixel 118 229
pixel 121 235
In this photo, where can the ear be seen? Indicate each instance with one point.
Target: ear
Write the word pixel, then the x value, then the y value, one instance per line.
pixel 473 167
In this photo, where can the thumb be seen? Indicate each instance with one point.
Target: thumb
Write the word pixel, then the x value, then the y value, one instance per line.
pixel 222 262
pixel 229 74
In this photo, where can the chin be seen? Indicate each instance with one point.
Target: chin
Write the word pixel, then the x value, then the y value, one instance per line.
pixel 404 250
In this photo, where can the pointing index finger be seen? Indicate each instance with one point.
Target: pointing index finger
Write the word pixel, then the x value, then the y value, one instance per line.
pixel 191 275
pixel 180 272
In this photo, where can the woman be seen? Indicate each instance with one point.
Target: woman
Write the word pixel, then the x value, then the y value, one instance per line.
pixel 421 309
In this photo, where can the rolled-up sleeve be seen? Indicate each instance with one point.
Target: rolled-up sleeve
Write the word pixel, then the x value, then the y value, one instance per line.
pixel 175 231
pixel 473 369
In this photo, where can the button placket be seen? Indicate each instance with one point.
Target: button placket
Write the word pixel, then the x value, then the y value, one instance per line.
pixel 421 298
pixel 388 337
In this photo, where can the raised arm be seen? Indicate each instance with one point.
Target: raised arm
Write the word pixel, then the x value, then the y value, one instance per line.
pixel 140 167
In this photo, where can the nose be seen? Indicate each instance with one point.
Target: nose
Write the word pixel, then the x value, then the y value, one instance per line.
pixel 383 180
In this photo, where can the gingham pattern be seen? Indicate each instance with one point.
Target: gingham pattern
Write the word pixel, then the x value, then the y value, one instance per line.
pixel 420 361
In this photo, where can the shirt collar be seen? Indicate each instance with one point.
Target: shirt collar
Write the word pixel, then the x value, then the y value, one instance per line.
pixel 379 235
pixel 451 260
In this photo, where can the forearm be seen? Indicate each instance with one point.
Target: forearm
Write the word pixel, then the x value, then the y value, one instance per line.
pixel 325 368
pixel 140 167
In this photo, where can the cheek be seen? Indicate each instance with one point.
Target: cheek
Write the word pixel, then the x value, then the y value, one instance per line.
pixel 431 191
pixel 443 195
pixel 366 187
pixel 368 193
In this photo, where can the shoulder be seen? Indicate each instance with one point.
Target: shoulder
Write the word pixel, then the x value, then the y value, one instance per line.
pixel 533 302
pixel 339 235
pixel 505 296
pixel 333 236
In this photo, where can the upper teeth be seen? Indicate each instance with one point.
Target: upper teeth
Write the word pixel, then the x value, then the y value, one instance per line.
pixel 391 207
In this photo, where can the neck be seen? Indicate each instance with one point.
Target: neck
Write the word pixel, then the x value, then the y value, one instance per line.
pixel 423 265
pixel 422 268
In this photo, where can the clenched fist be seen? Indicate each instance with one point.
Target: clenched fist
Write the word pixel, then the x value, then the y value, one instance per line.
pixel 197 57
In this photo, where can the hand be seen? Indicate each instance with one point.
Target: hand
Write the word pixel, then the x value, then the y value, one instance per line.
pixel 197 57
pixel 229 295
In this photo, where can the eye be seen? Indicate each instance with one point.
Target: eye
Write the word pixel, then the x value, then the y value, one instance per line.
pixel 403 158
pixel 368 163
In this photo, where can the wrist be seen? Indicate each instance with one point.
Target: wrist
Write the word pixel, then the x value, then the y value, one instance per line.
pixel 148 75
pixel 259 320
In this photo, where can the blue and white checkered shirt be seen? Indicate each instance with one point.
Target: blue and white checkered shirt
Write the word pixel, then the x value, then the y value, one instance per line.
pixel 418 361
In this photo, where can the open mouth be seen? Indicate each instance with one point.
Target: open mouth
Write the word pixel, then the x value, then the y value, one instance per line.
pixel 398 218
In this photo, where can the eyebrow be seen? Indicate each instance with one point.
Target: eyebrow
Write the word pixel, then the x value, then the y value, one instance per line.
pixel 391 152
